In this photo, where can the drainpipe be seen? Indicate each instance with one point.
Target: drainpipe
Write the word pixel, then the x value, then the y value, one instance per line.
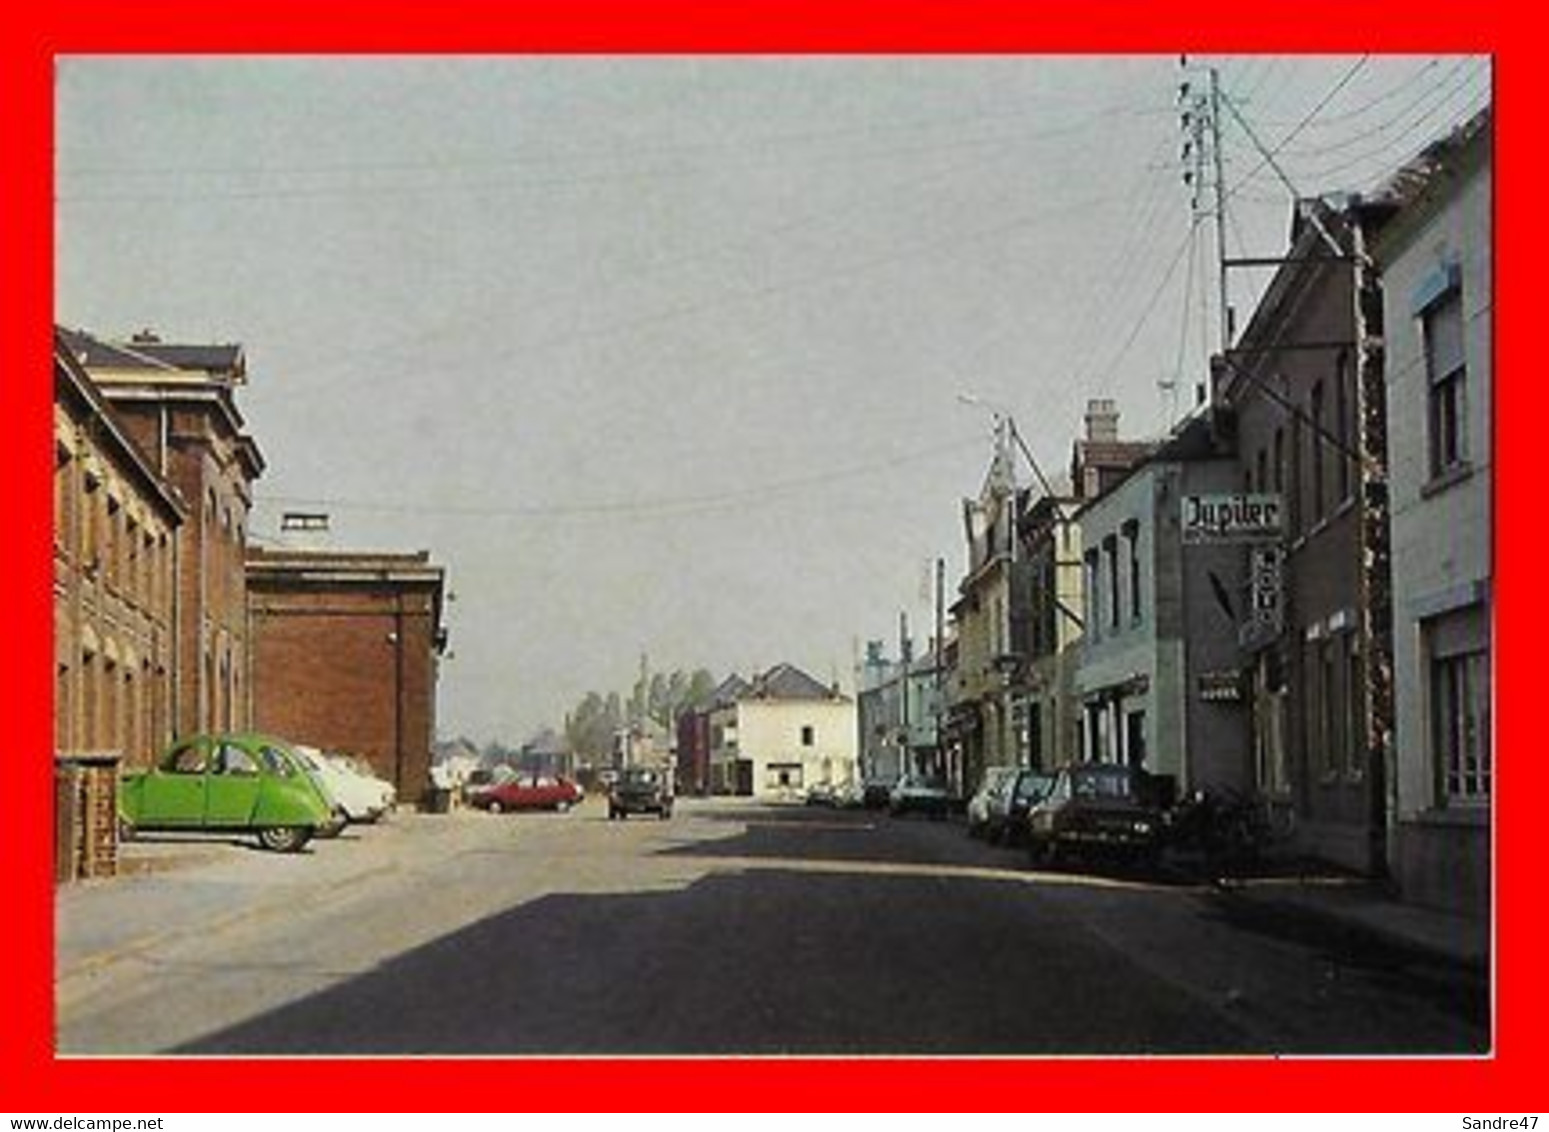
pixel 398 778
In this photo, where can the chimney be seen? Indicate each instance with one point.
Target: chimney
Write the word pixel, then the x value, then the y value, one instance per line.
pixel 1102 420
pixel 304 530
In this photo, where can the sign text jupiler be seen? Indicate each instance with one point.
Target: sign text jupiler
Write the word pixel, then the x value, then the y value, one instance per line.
pixel 1231 518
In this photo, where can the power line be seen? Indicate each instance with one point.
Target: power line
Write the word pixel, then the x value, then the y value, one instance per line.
pixel 1402 142
pixel 1328 121
pixel 1270 155
pixel 1156 295
pixel 640 508
pixel 1355 139
pixel 1003 142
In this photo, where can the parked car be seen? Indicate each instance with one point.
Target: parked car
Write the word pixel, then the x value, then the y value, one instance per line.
pixel 482 780
pixel 530 792
pixel 876 792
pixel 386 791
pixel 847 796
pixel 913 795
pixel 228 782
pixel 355 798
pixel 820 794
pixel 995 782
pixel 835 795
pixel 640 790
pixel 1006 821
pixel 1096 810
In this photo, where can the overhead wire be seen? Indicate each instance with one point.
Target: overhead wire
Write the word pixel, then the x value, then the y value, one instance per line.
pixel 1443 87
pixel 1268 157
pixel 1396 149
pixel 612 510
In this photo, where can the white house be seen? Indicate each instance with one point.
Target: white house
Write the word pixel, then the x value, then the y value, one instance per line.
pixel 1438 311
pixel 782 734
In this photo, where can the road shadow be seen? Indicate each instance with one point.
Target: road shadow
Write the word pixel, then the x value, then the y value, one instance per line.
pixel 773 962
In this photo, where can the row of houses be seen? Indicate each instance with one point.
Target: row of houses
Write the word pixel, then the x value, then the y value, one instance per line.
pixel 1288 596
pixel 169 620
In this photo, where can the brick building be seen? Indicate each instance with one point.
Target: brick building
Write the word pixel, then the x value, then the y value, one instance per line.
pixel 177 405
pixel 116 525
pixel 346 647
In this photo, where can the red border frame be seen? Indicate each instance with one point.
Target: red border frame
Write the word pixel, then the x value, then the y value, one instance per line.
pixel 31 1078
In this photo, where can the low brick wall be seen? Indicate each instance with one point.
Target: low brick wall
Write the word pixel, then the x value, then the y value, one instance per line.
pixel 85 816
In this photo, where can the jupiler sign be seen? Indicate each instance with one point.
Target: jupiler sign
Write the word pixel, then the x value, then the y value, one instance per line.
pixel 1242 517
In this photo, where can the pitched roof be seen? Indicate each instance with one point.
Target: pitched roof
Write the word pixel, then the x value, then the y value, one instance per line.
pixel 729 691
pixel 787 682
pixel 151 355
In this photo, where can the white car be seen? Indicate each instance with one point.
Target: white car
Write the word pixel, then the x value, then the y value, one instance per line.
pixel 359 798
pixel 993 786
pixel 387 793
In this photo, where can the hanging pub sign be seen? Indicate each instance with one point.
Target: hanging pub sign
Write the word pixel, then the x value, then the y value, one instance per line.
pixel 1264 620
pixel 1240 517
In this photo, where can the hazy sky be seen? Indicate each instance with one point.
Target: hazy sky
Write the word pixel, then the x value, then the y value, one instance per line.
pixel 665 355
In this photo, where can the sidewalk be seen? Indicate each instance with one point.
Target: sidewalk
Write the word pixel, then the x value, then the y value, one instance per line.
pixel 1364 909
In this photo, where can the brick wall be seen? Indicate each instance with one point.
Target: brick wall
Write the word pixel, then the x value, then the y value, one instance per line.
pixel 348 666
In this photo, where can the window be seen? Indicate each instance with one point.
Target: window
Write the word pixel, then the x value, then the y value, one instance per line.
pixel 808 736
pixel 232 759
pixel 783 776
pixel 1132 542
pixel 1342 391
pixel 1111 550
pixel 1263 470
pixel 1355 725
pixel 1090 598
pixel 1459 660
pixel 1320 669
pixel 64 495
pixel 1446 373
pixel 112 542
pixel 1317 441
pixel 1279 482
pixel 189 759
pixel 1135 738
pixel 275 761
pixel 1336 688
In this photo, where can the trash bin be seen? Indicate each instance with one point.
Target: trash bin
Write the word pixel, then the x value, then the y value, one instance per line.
pixel 438 800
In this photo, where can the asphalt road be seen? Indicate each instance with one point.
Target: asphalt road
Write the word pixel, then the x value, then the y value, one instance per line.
pixel 731 929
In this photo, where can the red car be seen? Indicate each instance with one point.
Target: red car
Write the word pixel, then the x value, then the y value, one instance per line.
pixel 529 792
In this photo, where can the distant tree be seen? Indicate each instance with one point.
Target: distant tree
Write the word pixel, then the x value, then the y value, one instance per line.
pixel 591 726
pixel 701 686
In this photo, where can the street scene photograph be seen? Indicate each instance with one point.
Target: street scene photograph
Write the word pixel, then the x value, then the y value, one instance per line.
pixel 767 556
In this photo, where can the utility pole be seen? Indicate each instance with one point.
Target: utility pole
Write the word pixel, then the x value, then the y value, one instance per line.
pixel 1205 173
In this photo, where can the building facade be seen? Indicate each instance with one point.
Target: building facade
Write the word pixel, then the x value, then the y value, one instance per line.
pixel 900 715
pixel 116 538
pixel 1157 681
pixel 1436 263
pixel 983 725
pixel 1052 549
pixel 177 404
pixel 346 651
pixel 783 734
pixel 1301 393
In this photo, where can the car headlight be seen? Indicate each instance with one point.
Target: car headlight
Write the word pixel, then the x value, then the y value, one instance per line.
pixel 1142 827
